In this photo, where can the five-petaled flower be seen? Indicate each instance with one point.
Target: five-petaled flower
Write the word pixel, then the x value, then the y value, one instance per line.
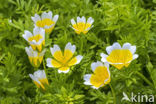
pixel 39 78
pixel 100 76
pixel 35 57
pixel 63 61
pixel 46 21
pixel 82 25
pixel 37 39
pixel 119 56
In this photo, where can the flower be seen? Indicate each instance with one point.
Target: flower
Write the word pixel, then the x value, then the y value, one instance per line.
pixel 35 57
pixel 119 56
pixel 63 61
pixel 37 39
pixel 46 21
pixel 82 25
pixel 100 76
pixel 39 78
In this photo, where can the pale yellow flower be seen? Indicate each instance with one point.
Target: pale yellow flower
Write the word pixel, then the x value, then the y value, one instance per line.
pixel 81 25
pixel 63 61
pixel 37 39
pixel 35 57
pixel 100 76
pixel 39 78
pixel 119 56
pixel 46 21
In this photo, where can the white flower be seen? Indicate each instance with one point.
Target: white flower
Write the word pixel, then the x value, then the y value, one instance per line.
pixel 100 76
pixel 119 56
pixel 37 39
pixel 82 25
pixel 35 57
pixel 63 61
pixel 46 21
pixel 39 78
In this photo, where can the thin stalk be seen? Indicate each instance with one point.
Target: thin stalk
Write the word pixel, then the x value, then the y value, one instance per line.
pixel 145 79
pixel 113 92
pixel 44 66
pixel 81 48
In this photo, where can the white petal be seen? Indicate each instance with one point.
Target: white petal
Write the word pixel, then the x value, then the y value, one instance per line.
pixel 60 71
pixel 94 65
pixel 50 14
pixel 90 20
pixel 47 27
pixel 116 45
pixel 107 65
pixel 43 52
pixel 36 18
pixel 49 62
pixel 42 33
pixel 27 34
pixel 31 52
pixel 87 79
pixel 135 56
pixel 89 28
pixel 32 76
pixel 78 19
pixel 79 58
pixel 28 51
pixel 83 19
pixel 36 31
pixel 44 15
pixel 71 47
pixel 39 74
pixel 126 46
pixel 95 87
pixel 34 42
pixel 73 21
pixel 133 49
pixel 55 18
pixel 104 56
pixel 106 80
pixel 54 49
pixel 109 49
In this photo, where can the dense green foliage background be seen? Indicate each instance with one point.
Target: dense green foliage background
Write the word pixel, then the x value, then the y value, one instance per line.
pixel 132 21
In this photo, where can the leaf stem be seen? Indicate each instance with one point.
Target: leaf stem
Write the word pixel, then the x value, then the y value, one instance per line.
pixel 44 66
pixel 113 92
pixel 145 79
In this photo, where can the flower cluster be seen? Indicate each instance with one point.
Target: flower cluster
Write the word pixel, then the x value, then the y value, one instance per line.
pixel 117 56
pixel 42 25
pixel 63 60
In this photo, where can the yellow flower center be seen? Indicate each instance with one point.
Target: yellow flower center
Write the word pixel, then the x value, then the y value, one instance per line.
pixel 36 61
pixel 63 61
pixel 44 81
pixel 100 75
pixel 44 22
pixel 38 85
pixel 36 38
pixel 81 27
pixel 122 56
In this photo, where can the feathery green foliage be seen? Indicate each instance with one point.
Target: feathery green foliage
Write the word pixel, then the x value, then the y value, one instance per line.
pixel 132 21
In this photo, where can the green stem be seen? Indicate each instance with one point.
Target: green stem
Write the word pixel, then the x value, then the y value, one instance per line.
pixel 145 79
pixel 113 92
pixel 44 66
pixel 81 43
